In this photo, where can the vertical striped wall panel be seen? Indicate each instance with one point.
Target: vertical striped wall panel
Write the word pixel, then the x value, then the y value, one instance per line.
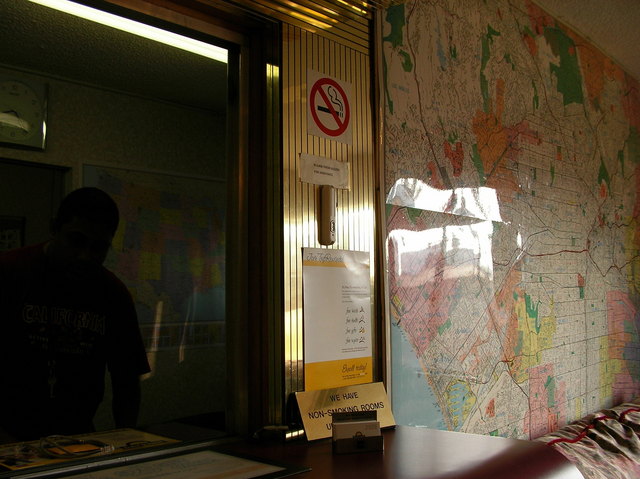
pixel 302 51
pixel 346 22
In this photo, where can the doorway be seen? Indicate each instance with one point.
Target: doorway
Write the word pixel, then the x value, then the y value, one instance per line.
pixel 29 195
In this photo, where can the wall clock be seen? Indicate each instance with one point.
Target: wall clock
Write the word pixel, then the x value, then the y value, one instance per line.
pixel 23 112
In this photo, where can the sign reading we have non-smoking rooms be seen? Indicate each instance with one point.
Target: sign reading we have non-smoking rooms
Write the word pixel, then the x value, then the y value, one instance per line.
pixel 318 407
pixel 337 318
pixel 328 107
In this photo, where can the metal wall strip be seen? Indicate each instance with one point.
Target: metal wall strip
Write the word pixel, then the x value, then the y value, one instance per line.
pixel 303 51
pixel 343 22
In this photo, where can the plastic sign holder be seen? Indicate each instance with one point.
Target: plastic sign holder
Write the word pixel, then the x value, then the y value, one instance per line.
pixel 356 432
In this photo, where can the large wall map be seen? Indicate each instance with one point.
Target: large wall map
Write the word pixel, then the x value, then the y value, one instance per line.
pixel 512 150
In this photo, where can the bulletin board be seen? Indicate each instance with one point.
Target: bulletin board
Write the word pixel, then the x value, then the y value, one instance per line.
pixel 170 250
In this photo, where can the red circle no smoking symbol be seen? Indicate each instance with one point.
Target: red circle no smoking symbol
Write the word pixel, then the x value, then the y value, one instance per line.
pixel 329 107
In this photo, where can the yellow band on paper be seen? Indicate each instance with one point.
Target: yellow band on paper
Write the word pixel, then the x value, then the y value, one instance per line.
pixel 342 372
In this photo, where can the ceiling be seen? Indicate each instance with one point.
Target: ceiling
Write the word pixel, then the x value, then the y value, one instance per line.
pixel 39 39
pixel 73 48
pixel 611 25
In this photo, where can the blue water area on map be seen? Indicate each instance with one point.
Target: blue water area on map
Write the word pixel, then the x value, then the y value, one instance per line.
pixel 413 401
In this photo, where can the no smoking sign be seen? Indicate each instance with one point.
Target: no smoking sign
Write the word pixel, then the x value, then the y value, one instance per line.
pixel 329 108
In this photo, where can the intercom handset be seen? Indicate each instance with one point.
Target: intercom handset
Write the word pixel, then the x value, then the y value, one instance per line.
pixel 326 215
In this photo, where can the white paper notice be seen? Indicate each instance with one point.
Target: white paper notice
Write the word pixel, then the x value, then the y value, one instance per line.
pixel 337 318
pixel 324 171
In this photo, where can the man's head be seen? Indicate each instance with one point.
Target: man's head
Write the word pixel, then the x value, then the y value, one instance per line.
pixel 83 229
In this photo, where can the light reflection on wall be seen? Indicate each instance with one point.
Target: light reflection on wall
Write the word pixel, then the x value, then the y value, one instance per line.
pixel 442 253
pixel 459 246
pixel 480 203
pixel 293 334
pixel 348 223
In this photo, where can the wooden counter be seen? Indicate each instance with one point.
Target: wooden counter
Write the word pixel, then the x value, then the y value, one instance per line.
pixel 409 453
pixel 420 453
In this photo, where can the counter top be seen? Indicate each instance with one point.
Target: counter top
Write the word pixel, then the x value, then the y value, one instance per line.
pixel 420 453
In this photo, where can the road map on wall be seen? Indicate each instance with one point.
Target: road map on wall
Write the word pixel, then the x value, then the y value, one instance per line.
pixel 512 150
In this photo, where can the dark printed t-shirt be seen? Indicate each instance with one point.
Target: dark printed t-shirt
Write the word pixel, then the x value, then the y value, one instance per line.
pixel 57 336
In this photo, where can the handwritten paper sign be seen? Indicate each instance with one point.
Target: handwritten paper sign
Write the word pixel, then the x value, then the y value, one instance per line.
pixel 337 318
pixel 317 407
pixel 324 171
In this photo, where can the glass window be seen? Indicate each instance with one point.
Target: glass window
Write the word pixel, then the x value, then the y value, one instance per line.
pixel 146 122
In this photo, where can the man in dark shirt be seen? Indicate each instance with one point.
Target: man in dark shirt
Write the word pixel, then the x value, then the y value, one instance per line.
pixel 65 320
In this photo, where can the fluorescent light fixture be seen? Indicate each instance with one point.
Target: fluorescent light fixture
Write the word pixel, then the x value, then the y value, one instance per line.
pixel 137 28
